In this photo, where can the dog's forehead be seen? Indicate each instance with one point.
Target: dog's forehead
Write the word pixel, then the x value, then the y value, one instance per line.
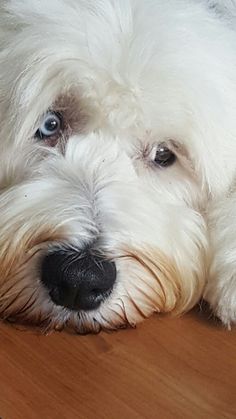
pixel 133 72
pixel 96 62
pixel 82 116
pixel 102 48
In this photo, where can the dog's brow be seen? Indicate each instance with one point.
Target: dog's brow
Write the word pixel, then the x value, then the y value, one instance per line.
pixel 74 111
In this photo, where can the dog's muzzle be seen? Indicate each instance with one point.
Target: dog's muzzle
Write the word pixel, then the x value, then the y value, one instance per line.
pixel 78 281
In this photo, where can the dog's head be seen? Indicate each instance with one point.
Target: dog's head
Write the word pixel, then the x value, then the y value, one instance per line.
pixel 110 140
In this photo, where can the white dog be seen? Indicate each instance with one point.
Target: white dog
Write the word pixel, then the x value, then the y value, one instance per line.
pixel 118 158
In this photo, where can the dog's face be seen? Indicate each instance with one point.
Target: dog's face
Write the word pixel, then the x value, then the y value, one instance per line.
pixel 103 176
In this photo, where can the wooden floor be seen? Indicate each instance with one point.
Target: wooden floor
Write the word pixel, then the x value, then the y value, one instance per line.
pixel 166 368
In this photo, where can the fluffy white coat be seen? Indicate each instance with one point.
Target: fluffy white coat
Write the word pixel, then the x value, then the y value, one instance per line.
pixel 128 75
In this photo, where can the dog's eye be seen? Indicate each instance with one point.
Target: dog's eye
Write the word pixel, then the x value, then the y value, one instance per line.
pixel 164 156
pixel 50 127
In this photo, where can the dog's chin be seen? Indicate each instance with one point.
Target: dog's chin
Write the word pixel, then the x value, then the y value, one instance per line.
pixel 147 283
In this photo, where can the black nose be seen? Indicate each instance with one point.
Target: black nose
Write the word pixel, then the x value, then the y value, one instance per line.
pixel 78 281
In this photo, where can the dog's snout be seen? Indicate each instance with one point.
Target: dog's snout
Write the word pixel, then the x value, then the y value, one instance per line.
pixel 78 281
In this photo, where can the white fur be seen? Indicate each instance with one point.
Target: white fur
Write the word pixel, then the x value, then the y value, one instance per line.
pixel 141 73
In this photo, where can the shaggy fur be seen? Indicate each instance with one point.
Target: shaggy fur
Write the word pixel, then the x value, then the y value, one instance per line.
pixel 126 76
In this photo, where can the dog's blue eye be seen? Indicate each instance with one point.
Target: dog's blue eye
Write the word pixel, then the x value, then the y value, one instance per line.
pixel 164 156
pixel 51 126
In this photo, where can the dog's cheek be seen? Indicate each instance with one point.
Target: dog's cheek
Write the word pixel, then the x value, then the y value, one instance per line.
pixel 22 297
pixel 152 282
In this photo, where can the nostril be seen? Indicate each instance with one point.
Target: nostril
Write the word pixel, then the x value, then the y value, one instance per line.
pixel 97 291
pixel 101 293
pixel 78 281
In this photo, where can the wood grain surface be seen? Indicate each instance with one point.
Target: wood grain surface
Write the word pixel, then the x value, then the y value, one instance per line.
pixel 166 368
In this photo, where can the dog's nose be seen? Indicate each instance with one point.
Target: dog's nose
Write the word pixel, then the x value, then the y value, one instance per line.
pixel 78 281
